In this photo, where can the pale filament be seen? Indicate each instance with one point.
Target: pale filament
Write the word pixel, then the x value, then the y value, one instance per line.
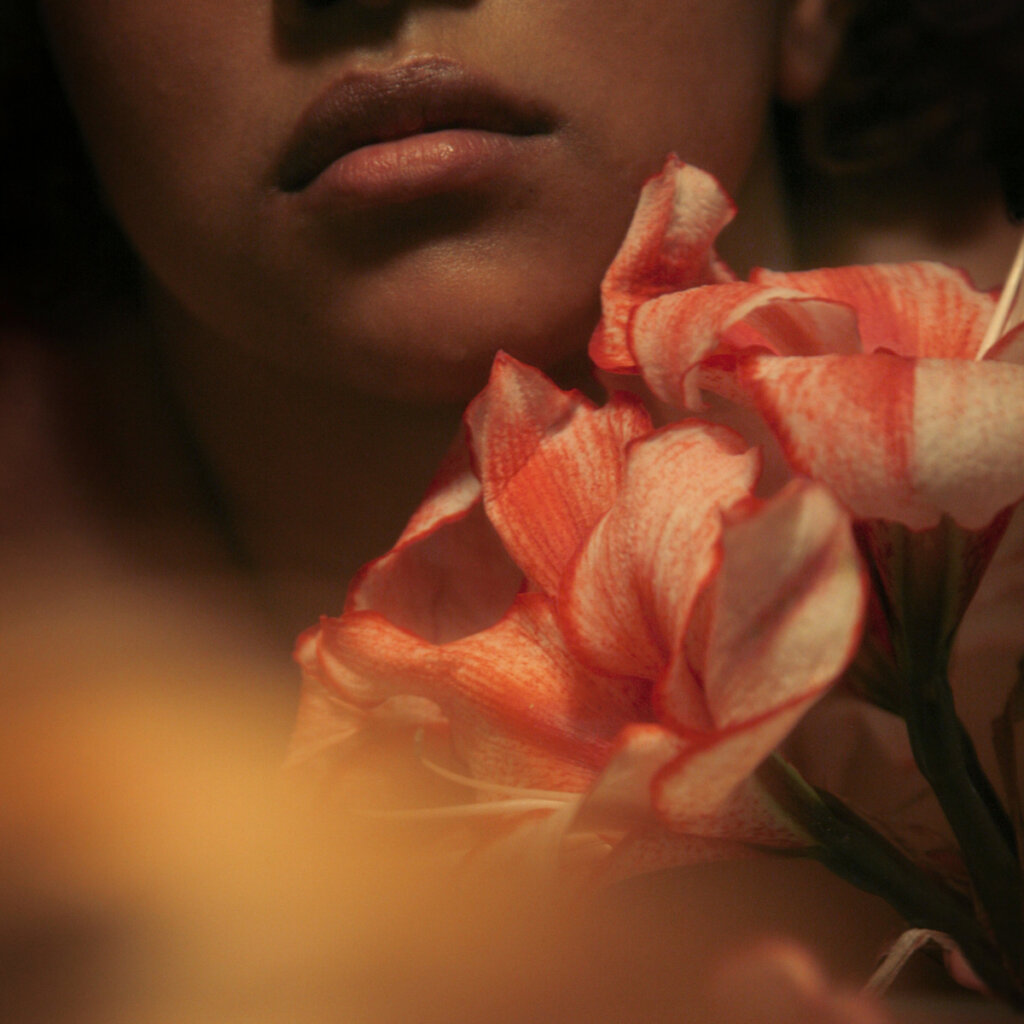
pixel 1010 308
pixel 516 799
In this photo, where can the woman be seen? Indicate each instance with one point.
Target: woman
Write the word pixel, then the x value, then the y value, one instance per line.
pixel 336 214
pixel 401 274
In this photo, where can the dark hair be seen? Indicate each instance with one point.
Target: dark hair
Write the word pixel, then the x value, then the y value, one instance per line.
pixel 918 81
pixel 61 252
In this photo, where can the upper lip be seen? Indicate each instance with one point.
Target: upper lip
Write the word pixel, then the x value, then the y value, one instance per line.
pixel 423 95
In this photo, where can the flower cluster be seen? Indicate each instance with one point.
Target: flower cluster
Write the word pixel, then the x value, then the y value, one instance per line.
pixel 611 627
pixel 606 612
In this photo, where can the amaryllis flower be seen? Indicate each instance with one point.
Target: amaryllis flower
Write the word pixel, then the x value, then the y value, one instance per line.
pixel 872 378
pixel 878 381
pixel 885 384
pixel 614 631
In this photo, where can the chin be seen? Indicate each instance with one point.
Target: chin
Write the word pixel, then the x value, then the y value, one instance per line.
pixel 444 354
pixel 417 376
pixel 448 373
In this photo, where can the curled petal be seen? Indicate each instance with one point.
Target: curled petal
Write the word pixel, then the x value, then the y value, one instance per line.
pixel 910 309
pixel 709 790
pixel 973 472
pixel 669 246
pixel 658 849
pixel 551 464
pixel 784 615
pixel 626 599
pixel 622 799
pixel 522 712
pixel 323 720
pixel 365 755
pixel 879 430
pixel 672 334
pixel 621 796
pixel 448 575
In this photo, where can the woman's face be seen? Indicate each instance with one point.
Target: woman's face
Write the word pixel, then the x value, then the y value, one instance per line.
pixel 390 192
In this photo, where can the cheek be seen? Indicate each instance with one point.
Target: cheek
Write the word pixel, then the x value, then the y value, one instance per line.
pixel 184 104
pixel 157 89
pixel 650 76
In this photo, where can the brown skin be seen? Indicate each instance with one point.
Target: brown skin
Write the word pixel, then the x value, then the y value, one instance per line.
pixel 187 106
pixel 279 323
pixel 278 327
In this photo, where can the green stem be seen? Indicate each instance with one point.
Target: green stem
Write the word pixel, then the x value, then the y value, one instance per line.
pixel 947 759
pixel 852 849
pixel 928 579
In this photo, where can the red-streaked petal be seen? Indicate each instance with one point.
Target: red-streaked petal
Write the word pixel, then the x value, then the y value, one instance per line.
pixel 521 711
pixel 323 720
pixel 364 756
pixel 844 420
pixel 627 597
pixel 448 575
pixel 672 334
pixel 658 849
pixel 551 463
pixel 453 491
pixel 669 246
pixel 785 611
pixel 709 789
pixel 621 800
pixel 621 796
pixel 911 309
pixel 898 439
pixel 968 459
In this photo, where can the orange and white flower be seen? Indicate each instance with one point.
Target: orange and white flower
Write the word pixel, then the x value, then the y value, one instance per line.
pixel 872 378
pixel 616 632
pixel 878 381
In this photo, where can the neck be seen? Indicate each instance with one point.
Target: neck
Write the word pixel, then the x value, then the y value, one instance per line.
pixel 312 479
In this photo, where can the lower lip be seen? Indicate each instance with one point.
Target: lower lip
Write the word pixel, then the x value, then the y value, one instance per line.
pixel 419 166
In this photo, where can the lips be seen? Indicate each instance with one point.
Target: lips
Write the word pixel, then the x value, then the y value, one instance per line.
pixel 417 98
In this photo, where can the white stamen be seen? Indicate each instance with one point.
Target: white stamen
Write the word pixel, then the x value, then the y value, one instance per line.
pixel 497 787
pixel 481 810
pixel 1010 308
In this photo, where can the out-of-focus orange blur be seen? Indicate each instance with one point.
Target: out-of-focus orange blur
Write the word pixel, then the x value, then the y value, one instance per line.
pixel 158 866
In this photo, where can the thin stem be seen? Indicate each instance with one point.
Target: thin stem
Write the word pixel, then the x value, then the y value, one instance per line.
pixel 947 760
pixel 852 849
pixel 933 574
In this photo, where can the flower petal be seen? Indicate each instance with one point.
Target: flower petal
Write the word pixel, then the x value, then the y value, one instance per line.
pixel 878 430
pixel 363 757
pixel 974 471
pixel 551 464
pixel 785 612
pixel 709 790
pixel 626 599
pixel 448 575
pixel 522 712
pixel 658 849
pixel 911 309
pixel 621 796
pixel 672 334
pixel 621 801
pixel 669 246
